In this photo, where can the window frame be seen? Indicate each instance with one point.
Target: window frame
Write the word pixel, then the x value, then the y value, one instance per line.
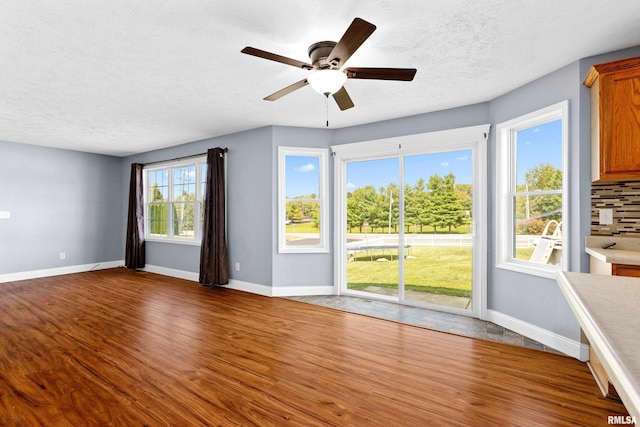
pixel 323 178
pixel 471 137
pixel 506 189
pixel 197 162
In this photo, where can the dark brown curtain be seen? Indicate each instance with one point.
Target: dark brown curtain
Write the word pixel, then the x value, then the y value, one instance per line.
pixel 134 252
pixel 213 254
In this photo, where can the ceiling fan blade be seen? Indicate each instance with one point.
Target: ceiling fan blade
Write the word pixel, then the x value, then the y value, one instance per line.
pixel 404 74
pixel 343 99
pixel 287 90
pixel 277 58
pixel 356 34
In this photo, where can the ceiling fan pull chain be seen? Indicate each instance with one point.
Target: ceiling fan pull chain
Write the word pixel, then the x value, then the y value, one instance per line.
pixel 326 103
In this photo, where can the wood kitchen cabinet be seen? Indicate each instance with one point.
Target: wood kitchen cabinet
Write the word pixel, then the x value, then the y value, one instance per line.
pixel 601 376
pixel 615 120
pixel 625 270
pixel 612 269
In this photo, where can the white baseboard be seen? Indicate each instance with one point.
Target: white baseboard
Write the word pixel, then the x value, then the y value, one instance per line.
pixel 278 291
pixel 240 285
pixel 171 272
pixel 253 288
pixel 58 271
pixel 563 344
pixel 299 291
pixel 237 285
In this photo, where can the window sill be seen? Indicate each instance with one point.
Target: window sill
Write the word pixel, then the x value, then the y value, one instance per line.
pixel 173 241
pixel 547 271
pixel 303 251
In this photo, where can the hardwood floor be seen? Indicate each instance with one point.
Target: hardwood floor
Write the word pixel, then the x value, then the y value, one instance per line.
pixel 116 347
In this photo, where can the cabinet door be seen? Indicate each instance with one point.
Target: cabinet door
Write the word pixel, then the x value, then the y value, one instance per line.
pixel 625 270
pixel 620 124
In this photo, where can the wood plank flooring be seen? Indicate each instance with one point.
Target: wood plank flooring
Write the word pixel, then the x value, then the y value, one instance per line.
pixel 116 347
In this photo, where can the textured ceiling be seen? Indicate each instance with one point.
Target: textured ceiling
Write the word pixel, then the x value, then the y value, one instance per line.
pixel 121 77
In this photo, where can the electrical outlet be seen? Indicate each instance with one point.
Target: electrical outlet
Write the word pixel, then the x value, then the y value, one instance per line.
pixel 63 255
pixel 5 214
pixel 237 266
pixel 606 216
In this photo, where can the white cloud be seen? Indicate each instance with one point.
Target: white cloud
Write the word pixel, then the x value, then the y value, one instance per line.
pixel 350 186
pixel 536 130
pixel 306 168
pixel 462 158
pixel 445 164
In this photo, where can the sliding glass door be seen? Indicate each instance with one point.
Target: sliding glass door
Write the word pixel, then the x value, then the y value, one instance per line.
pixel 372 226
pixel 409 224
pixel 438 207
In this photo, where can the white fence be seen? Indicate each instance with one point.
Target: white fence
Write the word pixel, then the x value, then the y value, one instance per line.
pixel 363 240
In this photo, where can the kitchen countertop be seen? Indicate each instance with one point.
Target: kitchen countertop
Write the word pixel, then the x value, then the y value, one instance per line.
pixel 626 250
pixel 607 309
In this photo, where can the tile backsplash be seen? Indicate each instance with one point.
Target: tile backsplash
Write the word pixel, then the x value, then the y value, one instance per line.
pixel 624 199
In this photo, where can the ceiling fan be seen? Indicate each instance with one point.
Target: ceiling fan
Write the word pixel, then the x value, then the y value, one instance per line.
pixel 326 59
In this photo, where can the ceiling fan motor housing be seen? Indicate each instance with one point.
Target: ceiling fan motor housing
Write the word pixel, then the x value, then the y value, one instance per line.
pixel 319 54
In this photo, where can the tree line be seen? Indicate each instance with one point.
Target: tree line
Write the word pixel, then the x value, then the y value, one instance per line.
pixel 437 203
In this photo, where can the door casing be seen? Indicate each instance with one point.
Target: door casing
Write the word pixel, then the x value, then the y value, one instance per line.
pixel 469 138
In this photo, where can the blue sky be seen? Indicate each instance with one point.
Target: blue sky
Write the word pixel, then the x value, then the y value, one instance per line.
pixel 302 176
pixel 539 144
pixel 380 173
pixel 535 145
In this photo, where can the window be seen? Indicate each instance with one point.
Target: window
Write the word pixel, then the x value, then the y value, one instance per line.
pixel 173 200
pixel 532 191
pixel 302 200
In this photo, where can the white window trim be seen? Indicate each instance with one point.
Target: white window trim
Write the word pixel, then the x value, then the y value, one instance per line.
pixel 198 161
pixel 505 161
pixel 472 137
pixel 322 154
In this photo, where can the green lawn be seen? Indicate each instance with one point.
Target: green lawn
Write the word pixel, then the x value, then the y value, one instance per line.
pixel 303 227
pixel 445 270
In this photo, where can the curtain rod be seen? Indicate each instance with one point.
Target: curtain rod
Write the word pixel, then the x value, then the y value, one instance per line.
pixel 224 150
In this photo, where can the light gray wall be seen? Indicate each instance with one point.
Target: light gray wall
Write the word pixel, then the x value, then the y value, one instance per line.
pixel 249 209
pixel 60 201
pixel 300 269
pixel 249 205
pixel 533 299
pixel 470 115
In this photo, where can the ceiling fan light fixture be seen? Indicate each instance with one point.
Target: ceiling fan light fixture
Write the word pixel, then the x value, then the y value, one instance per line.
pixel 327 82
